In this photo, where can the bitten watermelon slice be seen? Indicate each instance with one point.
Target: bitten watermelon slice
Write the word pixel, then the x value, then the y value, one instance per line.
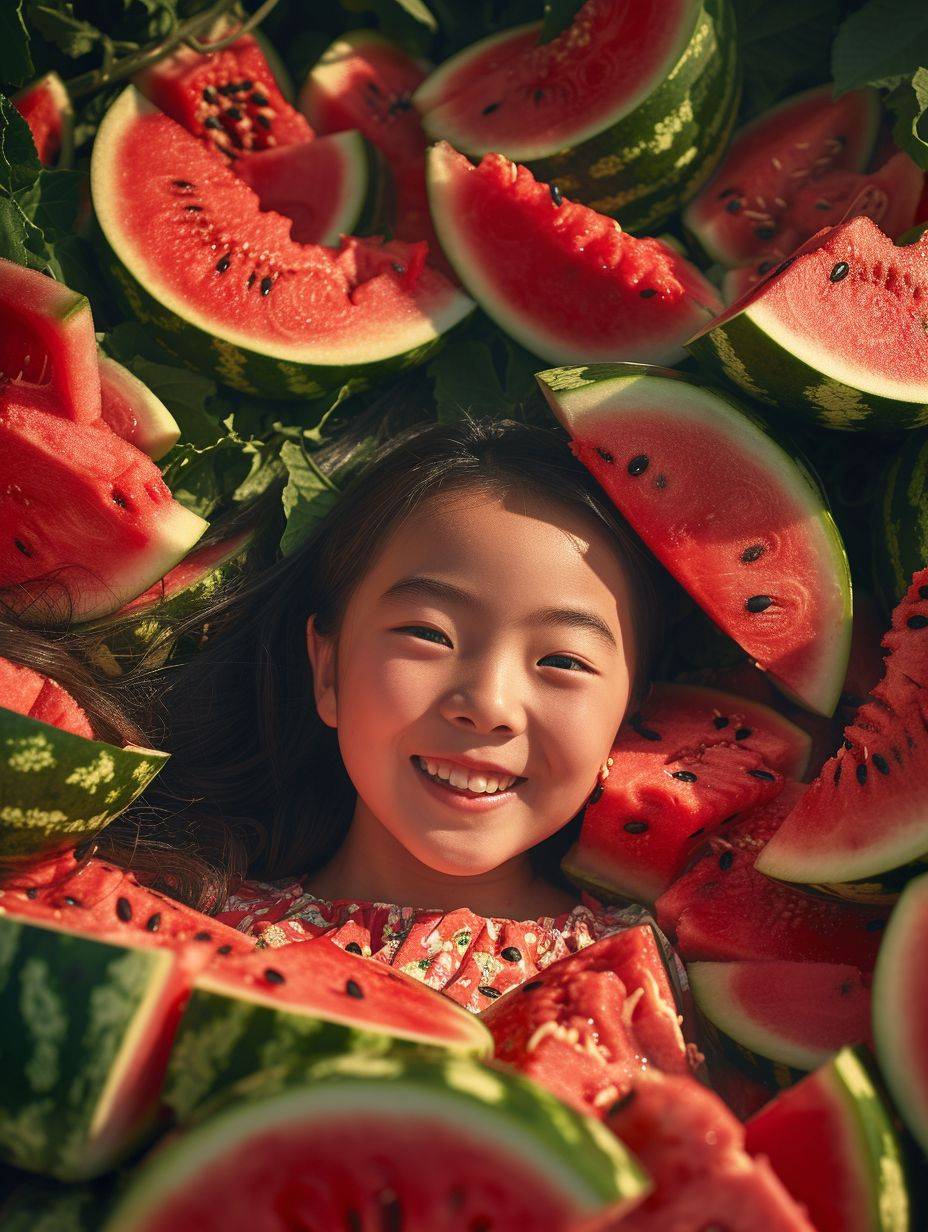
pixel 900 1008
pixel 629 298
pixel 859 832
pixel 796 341
pixel 742 526
pixel 681 766
pixel 46 108
pixel 831 1141
pixel 133 412
pixel 589 1024
pixel 722 908
pixel 227 287
pixel 88 521
pixel 403 1141
pixel 782 155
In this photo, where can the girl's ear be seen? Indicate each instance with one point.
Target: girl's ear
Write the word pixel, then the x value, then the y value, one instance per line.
pixel 321 651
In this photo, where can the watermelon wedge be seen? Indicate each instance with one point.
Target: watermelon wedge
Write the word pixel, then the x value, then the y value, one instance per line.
pixel 751 540
pixel 133 412
pixel 47 340
pixel 46 108
pixel 900 1009
pixel 122 528
pixel 629 298
pixel 796 342
pixel 227 287
pixel 627 110
pixel 400 1141
pixel 791 1014
pixel 38 697
pixel 831 1141
pixel 751 201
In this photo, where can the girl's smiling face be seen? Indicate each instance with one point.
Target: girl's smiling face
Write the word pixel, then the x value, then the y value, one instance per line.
pixel 477 662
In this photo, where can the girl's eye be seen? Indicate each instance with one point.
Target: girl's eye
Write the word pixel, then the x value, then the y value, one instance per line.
pixel 437 633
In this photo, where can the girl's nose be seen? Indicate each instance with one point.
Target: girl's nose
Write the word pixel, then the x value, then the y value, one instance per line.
pixel 488 700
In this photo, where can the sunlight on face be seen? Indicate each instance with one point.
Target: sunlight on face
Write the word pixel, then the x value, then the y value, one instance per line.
pixel 484 678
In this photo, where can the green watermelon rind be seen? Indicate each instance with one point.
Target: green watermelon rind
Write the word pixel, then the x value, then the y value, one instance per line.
pixel 894 973
pixel 574 1153
pixel 73 1009
pixel 242 364
pixel 561 387
pixel 900 522
pixel 158 430
pixel 635 166
pixel 57 788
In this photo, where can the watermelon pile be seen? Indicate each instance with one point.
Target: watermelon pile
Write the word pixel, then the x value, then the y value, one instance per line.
pixel 620 222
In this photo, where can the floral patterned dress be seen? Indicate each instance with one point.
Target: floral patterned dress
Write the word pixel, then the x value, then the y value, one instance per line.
pixel 469 957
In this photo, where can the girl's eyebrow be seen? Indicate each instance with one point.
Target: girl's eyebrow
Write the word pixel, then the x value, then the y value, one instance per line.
pixel 420 587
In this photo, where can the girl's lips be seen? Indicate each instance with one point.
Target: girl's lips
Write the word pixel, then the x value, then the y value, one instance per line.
pixel 469 801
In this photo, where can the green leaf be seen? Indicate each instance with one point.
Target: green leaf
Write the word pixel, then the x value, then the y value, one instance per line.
pixel 465 380
pixel 12 232
pixel 784 48
pixel 19 163
pixel 58 202
pixel 58 24
pixel 909 103
pixel 307 498
pixel 16 67
pixel 204 479
pixel 419 12
pixel 558 16
pixel 188 396
pixel 882 42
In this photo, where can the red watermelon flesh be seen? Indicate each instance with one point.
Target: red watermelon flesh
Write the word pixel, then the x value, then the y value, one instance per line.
pixel 906 642
pixel 46 108
pixel 630 299
pixel 691 758
pixel 747 205
pixel 228 98
pixel 36 696
pixel 587 1025
pixel 723 909
pixel 694 1149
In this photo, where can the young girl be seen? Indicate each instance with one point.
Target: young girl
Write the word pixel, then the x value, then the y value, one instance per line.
pixel 396 729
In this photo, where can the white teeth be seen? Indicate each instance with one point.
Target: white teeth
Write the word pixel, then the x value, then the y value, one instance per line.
pixel 466 780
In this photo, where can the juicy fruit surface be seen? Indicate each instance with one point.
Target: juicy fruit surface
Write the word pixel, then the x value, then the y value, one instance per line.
pixel 750 204
pixel 722 908
pixel 629 298
pixel 589 1024
pixel 780 585
pixel 38 697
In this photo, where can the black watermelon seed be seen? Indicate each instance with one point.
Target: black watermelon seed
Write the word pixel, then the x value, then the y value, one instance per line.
pixel 696 833
pixel 185 184
pixel 124 909
pixel 203 936
pixel 251 279
pixel 839 271
pixel 596 793
pixel 734 206
pixel 720 721
pixel 647 293
pixel 210 95
pixel 119 500
pixel 32 892
pixel 685 776
pixel 743 733
pixel 263 120
pixel 917 622
pixel 754 552
pixel 635 827
pixel 923 592
pixel 223 264
pixel 762 774
pixel 193 209
pixel 266 283
pixel 391 1212
pixel 511 954
pixel 245 86
pixel 765 267
pixel 212 122
pixel 273 976
pixel 847 744
pixel 726 192
pixel 861 772
pixel 875 926
pixel 639 464
pixel 71 900
pixel 353 948
pixel 758 603
pixel 765 232
pixel 621 1104
pixel 726 860
pixel 260 100
pixel 487 991
pixel 836 777
pixel 224 949
pixel 397 267
pixel 823 205
pixel 730 819
pixel 881 763
pixel 646 733
pixel 605 454
pixel 229 88
pixel 556 195
pixel 234 113
pixel 784 265
pixel 532 985
pixel 353 989
pixel 153 923
pixel 490 108
pixel 21 547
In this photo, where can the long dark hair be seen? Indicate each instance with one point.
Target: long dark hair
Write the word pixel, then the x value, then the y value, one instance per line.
pixel 256 784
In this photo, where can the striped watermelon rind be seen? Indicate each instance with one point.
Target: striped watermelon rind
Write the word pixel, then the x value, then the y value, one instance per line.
pixel 647 163
pixel 900 522
pixel 57 789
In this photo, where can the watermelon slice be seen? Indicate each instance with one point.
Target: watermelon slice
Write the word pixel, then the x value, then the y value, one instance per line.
pixel 46 108
pixel 288 180
pixel 694 1149
pixel 900 1009
pixel 266 314
pixel 632 299
pixel 831 1141
pixel 722 908
pixel 401 1141
pixel 47 340
pixel 898 535
pixel 793 1014
pixel 133 412
pixel 628 110
pixel 589 1024
pixel 780 585
pixel 795 341
pixel 36 696
pixel 122 528
pixel 298 1002
pixel 681 766
pixel 783 154
pixel 859 831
